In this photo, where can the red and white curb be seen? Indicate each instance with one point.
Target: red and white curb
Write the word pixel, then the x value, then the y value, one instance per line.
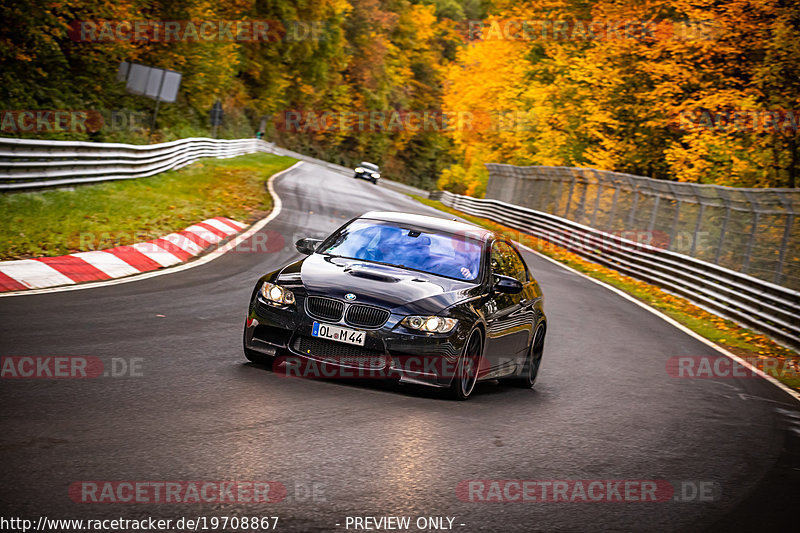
pixel 172 249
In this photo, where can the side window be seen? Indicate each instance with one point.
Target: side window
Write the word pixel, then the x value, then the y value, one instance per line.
pixel 507 262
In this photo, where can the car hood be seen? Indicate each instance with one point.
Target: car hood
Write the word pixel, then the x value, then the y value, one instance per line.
pixel 395 288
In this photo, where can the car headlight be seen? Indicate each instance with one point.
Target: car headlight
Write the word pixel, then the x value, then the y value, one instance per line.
pixel 277 294
pixel 376 175
pixel 430 324
pixel 359 169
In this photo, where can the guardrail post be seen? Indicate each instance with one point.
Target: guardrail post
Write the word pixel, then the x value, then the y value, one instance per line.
pixel 543 185
pixel 654 213
pixel 674 227
pixel 723 229
pixel 675 216
pixel 634 204
pixel 753 230
pixel 787 231
pixel 582 204
pixel 597 202
pixel 559 190
pixel 569 195
pixel 697 226
pixel 613 213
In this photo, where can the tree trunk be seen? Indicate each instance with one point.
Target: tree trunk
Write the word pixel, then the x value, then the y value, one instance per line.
pixel 794 162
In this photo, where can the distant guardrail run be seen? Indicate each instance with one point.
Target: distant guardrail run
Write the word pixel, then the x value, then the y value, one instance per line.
pixel 34 164
pixel 752 302
pixel 753 231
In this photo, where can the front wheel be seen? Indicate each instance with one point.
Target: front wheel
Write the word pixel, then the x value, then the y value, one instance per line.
pixel 467 369
pixel 532 363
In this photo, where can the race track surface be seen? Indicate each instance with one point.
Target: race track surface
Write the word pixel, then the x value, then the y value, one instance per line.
pixel 604 407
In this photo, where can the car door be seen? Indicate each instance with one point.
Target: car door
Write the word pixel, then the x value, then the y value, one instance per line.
pixel 507 315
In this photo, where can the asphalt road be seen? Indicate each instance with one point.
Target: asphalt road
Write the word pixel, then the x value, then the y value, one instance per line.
pixel 604 407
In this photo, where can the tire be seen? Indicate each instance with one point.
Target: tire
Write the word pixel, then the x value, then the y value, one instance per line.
pixel 374 182
pixel 532 363
pixel 467 369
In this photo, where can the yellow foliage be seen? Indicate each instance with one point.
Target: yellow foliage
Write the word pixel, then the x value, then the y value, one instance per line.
pixel 638 105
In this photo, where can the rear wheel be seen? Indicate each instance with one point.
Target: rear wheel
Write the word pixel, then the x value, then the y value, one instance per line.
pixel 532 362
pixel 467 369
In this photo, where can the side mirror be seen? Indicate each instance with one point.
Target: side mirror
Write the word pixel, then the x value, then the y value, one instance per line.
pixel 307 246
pixel 507 284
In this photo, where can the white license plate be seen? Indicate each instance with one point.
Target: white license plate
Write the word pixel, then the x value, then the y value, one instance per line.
pixel 337 333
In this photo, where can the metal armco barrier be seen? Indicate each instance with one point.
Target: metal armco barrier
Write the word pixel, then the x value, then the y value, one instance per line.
pixel 32 164
pixel 752 231
pixel 752 302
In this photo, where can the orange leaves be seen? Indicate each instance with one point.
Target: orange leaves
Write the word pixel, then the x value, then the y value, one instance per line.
pixel 614 103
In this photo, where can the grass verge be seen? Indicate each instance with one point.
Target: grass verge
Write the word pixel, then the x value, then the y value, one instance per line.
pixel 95 217
pixel 776 360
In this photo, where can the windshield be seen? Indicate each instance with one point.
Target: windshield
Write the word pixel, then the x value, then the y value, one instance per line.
pixel 442 254
pixel 369 166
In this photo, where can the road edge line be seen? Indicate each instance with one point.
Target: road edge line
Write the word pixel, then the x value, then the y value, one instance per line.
pixel 791 392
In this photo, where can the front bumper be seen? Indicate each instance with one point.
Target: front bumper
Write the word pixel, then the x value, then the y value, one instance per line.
pixel 389 352
pixel 365 176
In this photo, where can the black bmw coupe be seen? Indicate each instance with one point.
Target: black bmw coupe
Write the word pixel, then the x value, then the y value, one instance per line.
pixel 420 299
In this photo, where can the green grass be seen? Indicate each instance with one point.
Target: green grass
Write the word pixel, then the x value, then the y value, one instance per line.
pixel 754 347
pixel 94 217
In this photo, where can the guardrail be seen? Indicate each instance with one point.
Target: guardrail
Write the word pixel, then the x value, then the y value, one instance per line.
pixel 33 164
pixel 763 306
pixel 752 231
